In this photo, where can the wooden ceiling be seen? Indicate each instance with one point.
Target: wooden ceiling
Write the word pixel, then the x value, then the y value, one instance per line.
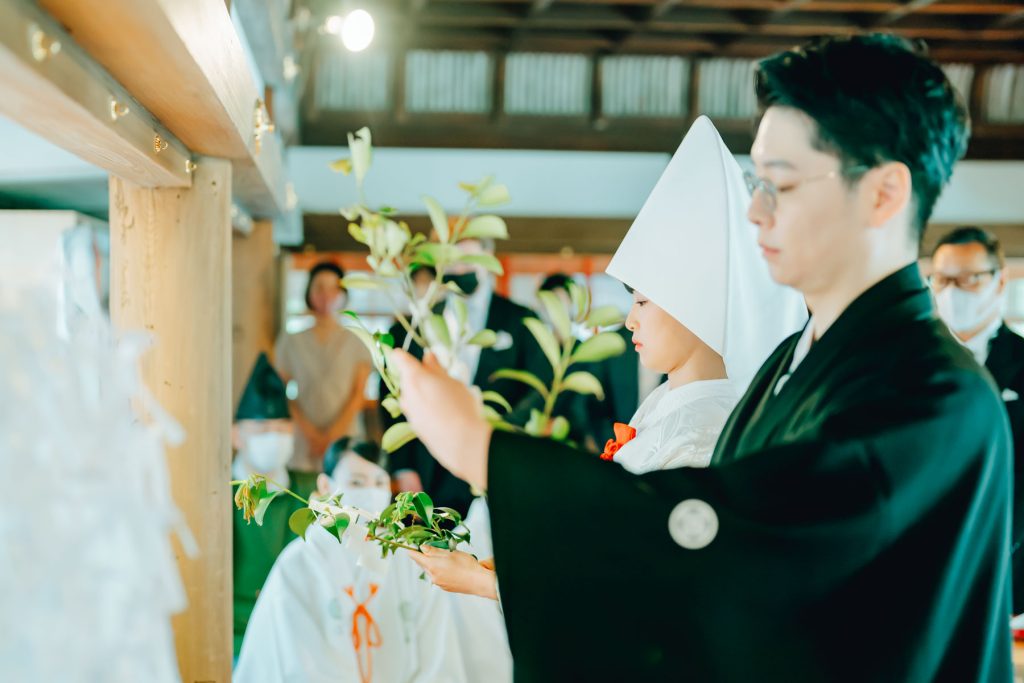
pixel 976 31
pixel 981 33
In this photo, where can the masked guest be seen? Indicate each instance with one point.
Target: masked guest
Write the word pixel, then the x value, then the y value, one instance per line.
pixel 335 611
pixel 968 281
pixel 263 438
pixel 411 466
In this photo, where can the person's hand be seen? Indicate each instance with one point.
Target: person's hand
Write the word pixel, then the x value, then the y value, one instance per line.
pixel 457 572
pixel 446 416
pixel 407 480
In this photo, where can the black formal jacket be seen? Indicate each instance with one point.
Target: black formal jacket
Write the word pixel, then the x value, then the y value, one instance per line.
pixel 1006 363
pixel 862 532
pixel 505 318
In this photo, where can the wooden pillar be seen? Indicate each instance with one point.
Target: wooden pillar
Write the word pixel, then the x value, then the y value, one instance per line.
pixel 254 286
pixel 170 263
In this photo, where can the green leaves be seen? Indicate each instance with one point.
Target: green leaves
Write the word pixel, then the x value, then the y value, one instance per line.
pixel 546 340
pixel 361 281
pixel 603 316
pixel 341 166
pixel 599 347
pixel 584 383
pixel 485 227
pixel 354 325
pixel 300 520
pixel 486 192
pixel 527 378
pixel 390 404
pixel 361 147
pixel 397 436
pixel 536 424
pixel 436 255
pixel 253 498
pixel 438 219
pixel 557 314
pixel 560 429
pixel 413 521
pixel 493 195
pixel 461 312
pixel 485 339
pixel 487 261
pixel 263 504
pixel 580 298
pixel 424 507
pixel 437 330
pixel 495 397
pixel 338 526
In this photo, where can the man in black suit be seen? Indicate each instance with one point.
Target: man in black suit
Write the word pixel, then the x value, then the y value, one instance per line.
pixel 969 280
pixel 412 468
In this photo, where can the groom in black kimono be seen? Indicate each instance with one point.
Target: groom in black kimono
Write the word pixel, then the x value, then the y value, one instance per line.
pixel 854 524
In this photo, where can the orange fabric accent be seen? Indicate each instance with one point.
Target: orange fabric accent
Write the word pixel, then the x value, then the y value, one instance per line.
pixel 366 637
pixel 623 435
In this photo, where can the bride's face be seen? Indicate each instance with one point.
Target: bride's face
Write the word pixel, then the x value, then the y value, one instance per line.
pixel 663 343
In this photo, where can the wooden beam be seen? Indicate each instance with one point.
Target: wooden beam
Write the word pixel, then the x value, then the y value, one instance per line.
pixel 909 7
pixel 54 88
pixel 994 7
pixel 1010 236
pixel 976 95
pixel 552 234
pixel 498 87
pixel 184 62
pixel 254 289
pixel 597 118
pixel 1009 19
pixel 528 234
pixel 170 265
pixel 632 134
pixel 661 7
pixel 271 40
pixel 266 29
pixel 398 84
pixel 539 7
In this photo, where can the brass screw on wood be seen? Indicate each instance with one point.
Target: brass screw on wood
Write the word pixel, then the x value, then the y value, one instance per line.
pixel 159 144
pixel 43 46
pixel 117 109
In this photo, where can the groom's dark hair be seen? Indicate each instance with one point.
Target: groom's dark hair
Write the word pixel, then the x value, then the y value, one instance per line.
pixel 874 99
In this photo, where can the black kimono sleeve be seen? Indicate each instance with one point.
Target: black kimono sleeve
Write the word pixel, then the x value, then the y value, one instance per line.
pixel 874 551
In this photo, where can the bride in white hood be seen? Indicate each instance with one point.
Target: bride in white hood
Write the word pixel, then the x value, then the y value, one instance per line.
pixel 706 313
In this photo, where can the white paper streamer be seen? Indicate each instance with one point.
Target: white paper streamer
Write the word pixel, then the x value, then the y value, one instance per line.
pixel 88 581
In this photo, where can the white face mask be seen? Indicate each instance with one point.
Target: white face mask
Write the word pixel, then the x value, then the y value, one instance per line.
pixel 373 500
pixel 965 311
pixel 268 451
pixel 363 484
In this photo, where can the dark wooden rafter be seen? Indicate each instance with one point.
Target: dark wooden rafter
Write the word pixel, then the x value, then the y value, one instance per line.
pixel 909 7
pixel 982 33
pixel 551 234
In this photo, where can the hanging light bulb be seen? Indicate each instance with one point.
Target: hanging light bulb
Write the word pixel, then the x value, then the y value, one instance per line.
pixel 333 25
pixel 357 30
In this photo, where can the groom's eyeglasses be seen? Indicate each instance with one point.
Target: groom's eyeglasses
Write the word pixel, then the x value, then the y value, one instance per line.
pixel 770 191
